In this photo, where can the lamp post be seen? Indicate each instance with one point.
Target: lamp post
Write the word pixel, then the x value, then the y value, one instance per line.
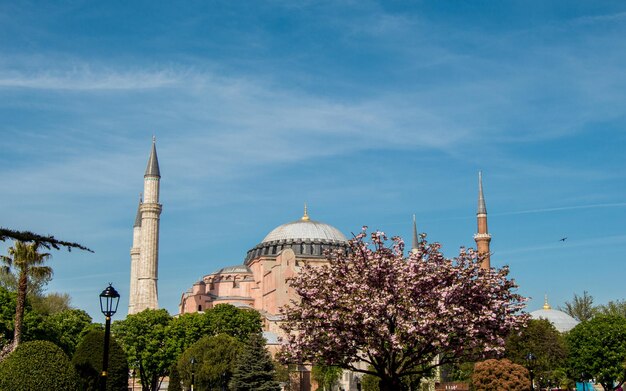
pixel 109 299
pixel 193 371
pixel 133 374
pixel 530 363
pixel 223 381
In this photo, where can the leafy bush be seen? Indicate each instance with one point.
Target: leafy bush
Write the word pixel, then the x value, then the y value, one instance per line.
pixel 88 363
pixel 37 365
pixel 175 382
pixel 502 374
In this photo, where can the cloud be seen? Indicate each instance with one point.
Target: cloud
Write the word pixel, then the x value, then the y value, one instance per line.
pixel 85 78
pixel 558 209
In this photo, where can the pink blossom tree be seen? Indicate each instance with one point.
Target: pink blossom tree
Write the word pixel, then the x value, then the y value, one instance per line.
pixel 377 311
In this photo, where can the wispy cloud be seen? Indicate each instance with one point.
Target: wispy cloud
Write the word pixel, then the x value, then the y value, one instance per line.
pixel 87 79
pixel 558 209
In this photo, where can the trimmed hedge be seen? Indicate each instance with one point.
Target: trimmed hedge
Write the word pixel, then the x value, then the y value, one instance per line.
pixel 88 363
pixel 38 365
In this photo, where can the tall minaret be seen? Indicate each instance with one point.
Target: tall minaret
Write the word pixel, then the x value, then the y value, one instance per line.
pixel 482 238
pixel 135 251
pixel 416 241
pixel 147 272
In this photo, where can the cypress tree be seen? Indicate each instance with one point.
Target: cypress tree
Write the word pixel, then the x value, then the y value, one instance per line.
pixel 254 370
pixel 88 362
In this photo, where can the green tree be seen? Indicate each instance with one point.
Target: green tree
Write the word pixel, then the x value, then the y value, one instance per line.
pixel 233 321
pixel 254 370
pixel 215 360
pixel 613 308
pixel 175 383
pixel 542 339
pixel 88 363
pixel 144 338
pixel 326 376
pixel 37 365
pixel 49 304
pixel 490 375
pixel 597 348
pixel 28 262
pixel 68 327
pixel 581 307
pixel 7 315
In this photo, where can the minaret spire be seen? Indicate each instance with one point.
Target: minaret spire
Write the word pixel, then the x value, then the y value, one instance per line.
pixel 153 162
pixel 482 237
pixel 416 241
pixel 145 294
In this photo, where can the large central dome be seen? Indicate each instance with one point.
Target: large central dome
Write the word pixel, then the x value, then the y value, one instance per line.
pixel 305 230
pixel 305 237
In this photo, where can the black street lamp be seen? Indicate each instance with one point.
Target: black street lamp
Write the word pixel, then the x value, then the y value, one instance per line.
pixel 530 363
pixel 133 374
pixel 193 371
pixel 223 381
pixel 109 299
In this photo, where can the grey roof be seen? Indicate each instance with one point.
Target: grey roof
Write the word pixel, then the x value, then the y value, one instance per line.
pixel 271 338
pixel 305 230
pixel 482 209
pixel 153 162
pixel 416 241
pixel 138 217
pixel 233 269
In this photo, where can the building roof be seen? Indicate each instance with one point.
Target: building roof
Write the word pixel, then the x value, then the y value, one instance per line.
pixel 561 321
pixel 153 162
pixel 305 229
pixel 233 269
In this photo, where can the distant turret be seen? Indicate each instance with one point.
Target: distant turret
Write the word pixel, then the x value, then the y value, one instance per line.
pixel 482 237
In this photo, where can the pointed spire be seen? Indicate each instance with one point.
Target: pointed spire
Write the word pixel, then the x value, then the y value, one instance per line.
pixel 153 162
pixel 546 306
pixel 482 209
pixel 416 240
pixel 138 217
pixel 305 217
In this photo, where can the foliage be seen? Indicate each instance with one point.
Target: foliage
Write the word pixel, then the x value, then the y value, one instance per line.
pixel 597 348
pixel 48 242
pixel 215 360
pixel 143 337
pixel 613 308
pixel 36 284
pixel 254 369
pixel 28 262
pixel 542 339
pixel 370 383
pixel 502 374
pixel 88 363
pixel 581 307
pixel 233 321
pixel 50 304
pixel 373 305
pixel 7 314
pixel 175 383
pixel 326 376
pixel 186 329
pixel 37 365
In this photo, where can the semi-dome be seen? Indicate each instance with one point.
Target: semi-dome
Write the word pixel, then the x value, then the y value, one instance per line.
pixel 233 269
pixel 561 321
pixel 305 237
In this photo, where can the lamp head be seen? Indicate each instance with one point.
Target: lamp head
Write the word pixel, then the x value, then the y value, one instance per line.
pixel 109 300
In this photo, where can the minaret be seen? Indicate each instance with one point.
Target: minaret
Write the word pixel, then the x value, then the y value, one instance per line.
pixel 147 272
pixel 135 252
pixel 416 241
pixel 482 238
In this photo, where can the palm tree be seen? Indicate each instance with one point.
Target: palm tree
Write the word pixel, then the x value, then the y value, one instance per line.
pixel 27 261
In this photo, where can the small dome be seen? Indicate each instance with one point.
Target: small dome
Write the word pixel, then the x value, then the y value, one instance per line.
pixel 561 321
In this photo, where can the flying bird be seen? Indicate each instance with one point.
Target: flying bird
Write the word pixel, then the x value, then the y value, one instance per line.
pixel 563 239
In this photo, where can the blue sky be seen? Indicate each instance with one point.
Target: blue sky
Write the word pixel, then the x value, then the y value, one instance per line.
pixel 368 111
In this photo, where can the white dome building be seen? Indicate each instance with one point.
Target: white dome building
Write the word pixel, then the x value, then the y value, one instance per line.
pixel 561 321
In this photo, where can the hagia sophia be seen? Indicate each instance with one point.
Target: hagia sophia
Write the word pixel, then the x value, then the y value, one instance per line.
pixel 260 282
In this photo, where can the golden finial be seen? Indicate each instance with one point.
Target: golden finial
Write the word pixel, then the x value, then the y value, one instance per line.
pixel 546 306
pixel 306 214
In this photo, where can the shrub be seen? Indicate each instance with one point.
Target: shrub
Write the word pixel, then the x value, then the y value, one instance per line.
pixel 88 363
pixel 490 375
pixel 37 365
pixel 175 382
